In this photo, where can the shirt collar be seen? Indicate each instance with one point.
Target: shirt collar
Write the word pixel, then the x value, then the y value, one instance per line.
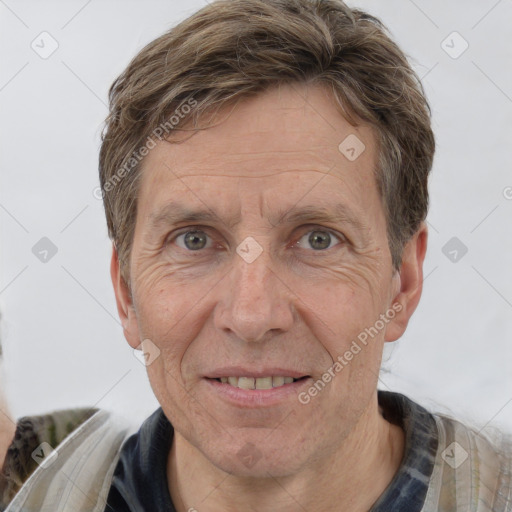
pixel 140 477
pixel 408 489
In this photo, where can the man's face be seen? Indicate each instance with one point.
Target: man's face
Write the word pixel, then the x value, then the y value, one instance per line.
pixel 250 288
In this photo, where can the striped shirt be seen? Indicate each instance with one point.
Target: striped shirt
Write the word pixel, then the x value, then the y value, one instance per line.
pixel 102 466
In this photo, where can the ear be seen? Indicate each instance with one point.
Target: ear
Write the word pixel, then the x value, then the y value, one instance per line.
pixel 124 302
pixel 409 284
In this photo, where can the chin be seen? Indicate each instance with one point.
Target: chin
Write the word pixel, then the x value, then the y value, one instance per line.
pixel 257 461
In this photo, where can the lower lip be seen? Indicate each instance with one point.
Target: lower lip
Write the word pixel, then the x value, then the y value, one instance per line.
pixel 257 397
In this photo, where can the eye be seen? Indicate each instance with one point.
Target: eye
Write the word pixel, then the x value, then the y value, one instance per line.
pixel 318 239
pixel 193 240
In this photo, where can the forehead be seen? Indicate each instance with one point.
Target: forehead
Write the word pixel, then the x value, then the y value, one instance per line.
pixel 290 139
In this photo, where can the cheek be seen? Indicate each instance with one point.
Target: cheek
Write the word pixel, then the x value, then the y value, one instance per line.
pixel 342 317
pixel 343 299
pixel 162 298
pixel 168 317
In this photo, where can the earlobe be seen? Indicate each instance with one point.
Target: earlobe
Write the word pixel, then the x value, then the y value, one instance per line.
pixel 410 283
pixel 124 301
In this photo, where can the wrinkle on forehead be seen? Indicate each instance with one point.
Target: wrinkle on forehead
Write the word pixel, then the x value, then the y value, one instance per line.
pixel 268 133
pixel 282 151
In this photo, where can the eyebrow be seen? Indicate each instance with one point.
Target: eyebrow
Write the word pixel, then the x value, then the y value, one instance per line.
pixel 340 214
pixel 175 213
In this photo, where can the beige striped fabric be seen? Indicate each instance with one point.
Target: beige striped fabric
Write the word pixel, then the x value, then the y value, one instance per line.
pixel 471 472
pixel 76 476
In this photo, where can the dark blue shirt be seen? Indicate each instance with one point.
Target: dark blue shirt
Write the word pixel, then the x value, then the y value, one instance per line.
pixel 140 478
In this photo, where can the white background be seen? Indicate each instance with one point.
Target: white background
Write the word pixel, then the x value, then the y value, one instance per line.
pixel 63 345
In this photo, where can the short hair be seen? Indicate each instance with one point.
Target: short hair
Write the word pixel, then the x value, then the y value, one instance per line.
pixel 235 49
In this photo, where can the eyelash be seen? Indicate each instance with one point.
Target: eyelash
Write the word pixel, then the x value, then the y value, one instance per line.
pixel 341 238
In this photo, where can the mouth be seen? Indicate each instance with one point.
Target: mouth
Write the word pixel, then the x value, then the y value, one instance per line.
pixel 250 389
pixel 269 382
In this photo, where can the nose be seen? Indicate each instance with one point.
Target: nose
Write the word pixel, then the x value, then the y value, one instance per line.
pixel 255 303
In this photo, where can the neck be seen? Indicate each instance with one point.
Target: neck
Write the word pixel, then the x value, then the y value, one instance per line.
pixel 351 478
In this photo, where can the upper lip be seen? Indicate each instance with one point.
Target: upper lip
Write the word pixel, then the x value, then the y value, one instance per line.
pixel 239 371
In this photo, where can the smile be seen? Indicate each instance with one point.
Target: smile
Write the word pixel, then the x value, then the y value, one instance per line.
pixel 257 383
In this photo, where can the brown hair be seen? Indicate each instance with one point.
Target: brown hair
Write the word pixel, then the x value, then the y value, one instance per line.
pixel 232 49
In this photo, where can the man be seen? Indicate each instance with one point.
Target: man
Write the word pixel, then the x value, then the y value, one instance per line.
pixel 264 168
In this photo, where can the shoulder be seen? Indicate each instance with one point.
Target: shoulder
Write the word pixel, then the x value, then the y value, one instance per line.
pixel 473 470
pixel 76 468
pixel 31 433
pixel 466 469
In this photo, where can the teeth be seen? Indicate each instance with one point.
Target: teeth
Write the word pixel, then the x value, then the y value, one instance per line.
pixel 245 382
pixel 264 383
pixel 256 383
pixel 277 381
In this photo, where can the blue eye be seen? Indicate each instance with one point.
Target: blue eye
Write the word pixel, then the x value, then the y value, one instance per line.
pixel 193 240
pixel 319 239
